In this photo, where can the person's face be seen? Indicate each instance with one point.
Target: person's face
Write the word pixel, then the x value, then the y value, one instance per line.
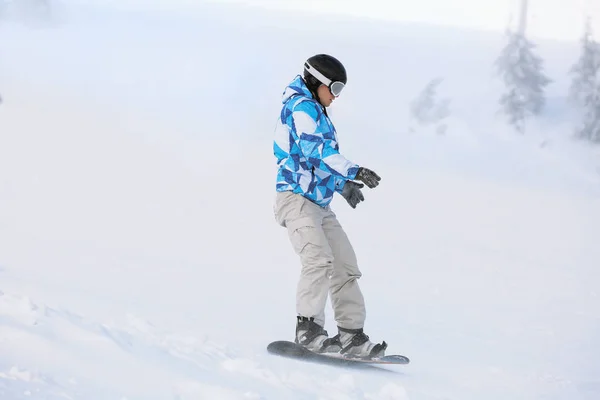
pixel 325 96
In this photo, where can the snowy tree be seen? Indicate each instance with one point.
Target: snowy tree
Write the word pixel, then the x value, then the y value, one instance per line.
pixel 585 70
pixel 426 109
pixel 584 91
pixel 590 128
pixel 522 72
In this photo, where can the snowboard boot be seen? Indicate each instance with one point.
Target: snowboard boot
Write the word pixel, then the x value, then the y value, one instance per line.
pixel 312 336
pixel 356 343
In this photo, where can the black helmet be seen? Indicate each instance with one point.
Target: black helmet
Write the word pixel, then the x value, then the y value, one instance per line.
pixel 325 69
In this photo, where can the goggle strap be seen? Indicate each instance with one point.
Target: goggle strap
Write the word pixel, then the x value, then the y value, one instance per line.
pixel 314 72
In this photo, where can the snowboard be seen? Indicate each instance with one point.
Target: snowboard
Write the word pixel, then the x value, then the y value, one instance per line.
pixel 293 350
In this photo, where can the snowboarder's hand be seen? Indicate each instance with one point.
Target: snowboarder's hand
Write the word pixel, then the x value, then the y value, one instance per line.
pixel 352 193
pixel 370 178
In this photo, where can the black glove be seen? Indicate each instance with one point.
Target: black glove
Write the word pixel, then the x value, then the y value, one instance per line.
pixel 370 178
pixel 352 193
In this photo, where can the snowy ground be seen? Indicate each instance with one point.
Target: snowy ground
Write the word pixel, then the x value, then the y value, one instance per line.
pixel 139 257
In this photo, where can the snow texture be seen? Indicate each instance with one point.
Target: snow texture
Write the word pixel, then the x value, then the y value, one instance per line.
pixel 140 258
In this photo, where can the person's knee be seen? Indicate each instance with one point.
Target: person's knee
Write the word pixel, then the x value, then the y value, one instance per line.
pixel 340 279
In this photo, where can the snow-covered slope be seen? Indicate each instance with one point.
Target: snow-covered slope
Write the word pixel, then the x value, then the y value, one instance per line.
pixel 139 256
pixel 53 354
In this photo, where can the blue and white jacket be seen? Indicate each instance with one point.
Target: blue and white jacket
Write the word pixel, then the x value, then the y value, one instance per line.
pixel 306 148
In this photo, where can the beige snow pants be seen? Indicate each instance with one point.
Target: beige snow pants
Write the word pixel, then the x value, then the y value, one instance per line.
pixel 329 264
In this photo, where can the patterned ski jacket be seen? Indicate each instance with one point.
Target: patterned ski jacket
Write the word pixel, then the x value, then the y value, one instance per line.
pixel 306 148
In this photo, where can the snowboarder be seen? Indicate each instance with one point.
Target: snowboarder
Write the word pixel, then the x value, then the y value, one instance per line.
pixel 310 170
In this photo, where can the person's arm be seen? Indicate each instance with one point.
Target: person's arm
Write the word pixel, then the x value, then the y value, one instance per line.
pixel 320 148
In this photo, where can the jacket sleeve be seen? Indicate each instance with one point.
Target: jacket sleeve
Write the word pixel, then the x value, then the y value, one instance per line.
pixel 339 184
pixel 320 147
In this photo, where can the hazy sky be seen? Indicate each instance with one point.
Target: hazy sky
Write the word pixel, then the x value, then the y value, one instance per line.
pixel 561 19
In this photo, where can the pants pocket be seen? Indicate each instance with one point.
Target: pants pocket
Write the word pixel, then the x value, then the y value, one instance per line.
pixel 302 232
pixel 311 244
pixel 288 206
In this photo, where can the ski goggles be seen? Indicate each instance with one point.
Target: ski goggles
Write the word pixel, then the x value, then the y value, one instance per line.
pixel 334 87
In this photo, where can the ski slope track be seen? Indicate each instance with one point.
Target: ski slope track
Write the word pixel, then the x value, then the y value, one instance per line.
pixel 139 254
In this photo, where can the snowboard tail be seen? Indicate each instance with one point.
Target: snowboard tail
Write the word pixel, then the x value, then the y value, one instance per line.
pixel 293 350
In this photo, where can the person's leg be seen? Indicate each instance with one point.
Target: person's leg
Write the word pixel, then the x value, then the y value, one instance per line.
pixel 303 219
pixel 346 297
